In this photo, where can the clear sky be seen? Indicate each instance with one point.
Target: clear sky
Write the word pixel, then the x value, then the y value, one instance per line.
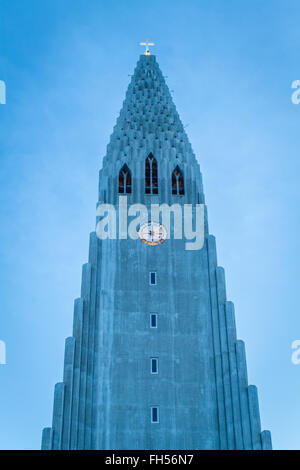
pixel 230 64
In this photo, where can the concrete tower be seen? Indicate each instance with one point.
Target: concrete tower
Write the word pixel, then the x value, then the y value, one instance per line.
pixel 153 362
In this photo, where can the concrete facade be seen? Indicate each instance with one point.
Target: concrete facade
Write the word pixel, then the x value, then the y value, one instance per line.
pixel 201 389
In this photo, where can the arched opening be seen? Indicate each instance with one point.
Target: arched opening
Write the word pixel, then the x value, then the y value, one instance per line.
pixel 125 180
pixel 177 182
pixel 151 175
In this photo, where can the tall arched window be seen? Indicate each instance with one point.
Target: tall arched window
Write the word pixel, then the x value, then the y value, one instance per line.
pixel 125 180
pixel 177 181
pixel 151 179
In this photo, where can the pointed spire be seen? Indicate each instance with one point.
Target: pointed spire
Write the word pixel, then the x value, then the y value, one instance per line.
pixel 149 113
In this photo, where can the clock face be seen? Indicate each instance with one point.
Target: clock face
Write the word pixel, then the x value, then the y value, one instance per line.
pixel 152 233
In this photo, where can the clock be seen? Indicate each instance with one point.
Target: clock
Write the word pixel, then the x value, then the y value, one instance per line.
pixel 152 233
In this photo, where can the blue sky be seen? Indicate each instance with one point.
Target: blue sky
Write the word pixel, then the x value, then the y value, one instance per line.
pixel 66 65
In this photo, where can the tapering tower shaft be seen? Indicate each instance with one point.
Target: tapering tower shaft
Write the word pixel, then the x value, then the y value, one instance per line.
pixel 153 362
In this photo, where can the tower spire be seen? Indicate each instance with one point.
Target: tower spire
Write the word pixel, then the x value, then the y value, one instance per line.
pixel 149 121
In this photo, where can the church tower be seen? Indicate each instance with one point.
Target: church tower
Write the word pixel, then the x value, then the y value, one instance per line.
pixel 153 362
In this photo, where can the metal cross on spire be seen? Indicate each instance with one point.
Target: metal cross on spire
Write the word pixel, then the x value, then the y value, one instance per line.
pixel 147 44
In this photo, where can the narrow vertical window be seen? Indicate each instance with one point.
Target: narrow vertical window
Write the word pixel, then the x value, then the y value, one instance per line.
pixel 177 182
pixel 154 365
pixel 147 176
pixel 125 180
pixel 152 279
pixel 154 414
pixel 153 320
pixel 151 175
pixel 154 177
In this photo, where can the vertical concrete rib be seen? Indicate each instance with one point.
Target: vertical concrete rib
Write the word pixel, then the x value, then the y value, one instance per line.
pixel 243 386
pixel 58 410
pixel 85 293
pixel 231 338
pixel 266 440
pixel 212 260
pixel 254 417
pixel 77 334
pixel 91 340
pixel 221 293
pixel 47 439
pixel 68 381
